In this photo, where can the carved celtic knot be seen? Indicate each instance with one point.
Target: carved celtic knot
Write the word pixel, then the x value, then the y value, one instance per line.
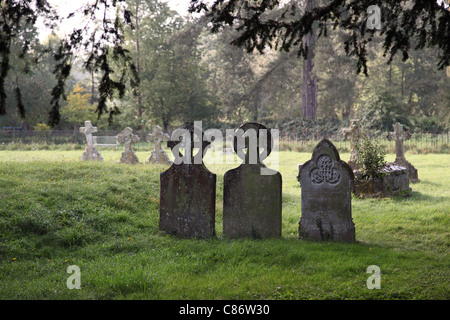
pixel 325 171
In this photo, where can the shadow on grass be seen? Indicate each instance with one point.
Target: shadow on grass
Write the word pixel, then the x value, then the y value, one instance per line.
pixel 416 196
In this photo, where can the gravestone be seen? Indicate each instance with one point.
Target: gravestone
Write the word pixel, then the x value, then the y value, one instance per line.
pixel 188 189
pixel 399 136
pixel 128 138
pixel 355 135
pixel 90 153
pixel 158 154
pixel 326 183
pixel 252 192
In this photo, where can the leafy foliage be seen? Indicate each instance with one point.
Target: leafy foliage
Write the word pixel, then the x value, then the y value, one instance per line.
pixel 269 23
pixel 104 46
pixel 370 157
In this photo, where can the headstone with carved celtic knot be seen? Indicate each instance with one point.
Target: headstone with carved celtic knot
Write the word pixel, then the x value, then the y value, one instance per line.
pixel 326 183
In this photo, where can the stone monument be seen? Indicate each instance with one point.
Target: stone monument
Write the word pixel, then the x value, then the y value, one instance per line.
pixel 90 153
pixel 355 135
pixel 326 183
pixel 128 138
pixel 252 200
pixel 188 189
pixel 399 136
pixel 158 154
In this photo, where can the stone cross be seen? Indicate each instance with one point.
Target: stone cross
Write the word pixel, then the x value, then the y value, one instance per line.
pixel 128 138
pixel 88 130
pixel 355 135
pixel 158 154
pixel 188 190
pixel 252 200
pixel 90 153
pixel 399 136
pixel 326 183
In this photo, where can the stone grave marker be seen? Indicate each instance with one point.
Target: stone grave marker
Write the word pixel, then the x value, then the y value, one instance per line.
pixel 326 183
pixel 158 154
pixel 399 136
pixel 128 138
pixel 188 188
pixel 252 200
pixel 90 153
pixel 355 135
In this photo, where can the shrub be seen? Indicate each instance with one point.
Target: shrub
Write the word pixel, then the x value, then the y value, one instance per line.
pixel 41 127
pixel 370 157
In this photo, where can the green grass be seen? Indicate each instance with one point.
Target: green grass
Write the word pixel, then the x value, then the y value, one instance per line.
pixel 57 211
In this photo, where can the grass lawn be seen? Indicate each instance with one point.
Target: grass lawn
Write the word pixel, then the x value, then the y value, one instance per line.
pixel 57 211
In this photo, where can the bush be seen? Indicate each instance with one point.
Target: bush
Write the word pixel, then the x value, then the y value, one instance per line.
pixel 41 127
pixel 370 157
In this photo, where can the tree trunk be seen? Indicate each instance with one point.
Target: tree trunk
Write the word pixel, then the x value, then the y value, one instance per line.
pixel 403 77
pixel 309 89
pixel 92 87
pixel 138 67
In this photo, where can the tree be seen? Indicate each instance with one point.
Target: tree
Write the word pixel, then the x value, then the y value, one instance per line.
pixel 26 84
pixel 78 107
pixel 176 89
pixel 104 46
pixel 263 24
pixel 309 90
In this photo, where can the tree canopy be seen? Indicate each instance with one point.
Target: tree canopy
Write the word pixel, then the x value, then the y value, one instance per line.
pixel 405 24
pixel 144 64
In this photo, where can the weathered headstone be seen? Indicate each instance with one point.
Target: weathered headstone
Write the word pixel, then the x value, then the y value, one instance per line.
pixel 399 136
pixel 252 200
pixel 188 190
pixel 90 153
pixel 128 138
pixel 158 154
pixel 326 183
pixel 355 135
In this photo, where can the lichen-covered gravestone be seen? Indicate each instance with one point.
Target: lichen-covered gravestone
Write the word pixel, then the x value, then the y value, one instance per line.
pixel 158 154
pixel 128 138
pixel 326 183
pixel 399 136
pixel 187 189
pixel 252 192
pixel 355 135
pixel 90 153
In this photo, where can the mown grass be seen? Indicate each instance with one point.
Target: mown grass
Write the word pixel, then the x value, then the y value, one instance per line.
pixel 57 211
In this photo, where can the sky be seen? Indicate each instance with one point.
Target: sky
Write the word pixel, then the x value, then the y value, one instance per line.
pixel 64 7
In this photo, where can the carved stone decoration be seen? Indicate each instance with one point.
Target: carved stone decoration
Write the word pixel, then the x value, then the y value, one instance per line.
pixel 325 171
pixel 326 183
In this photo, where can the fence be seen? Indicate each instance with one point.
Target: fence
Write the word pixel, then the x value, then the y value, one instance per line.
pixel 418 141
pixel 431 141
